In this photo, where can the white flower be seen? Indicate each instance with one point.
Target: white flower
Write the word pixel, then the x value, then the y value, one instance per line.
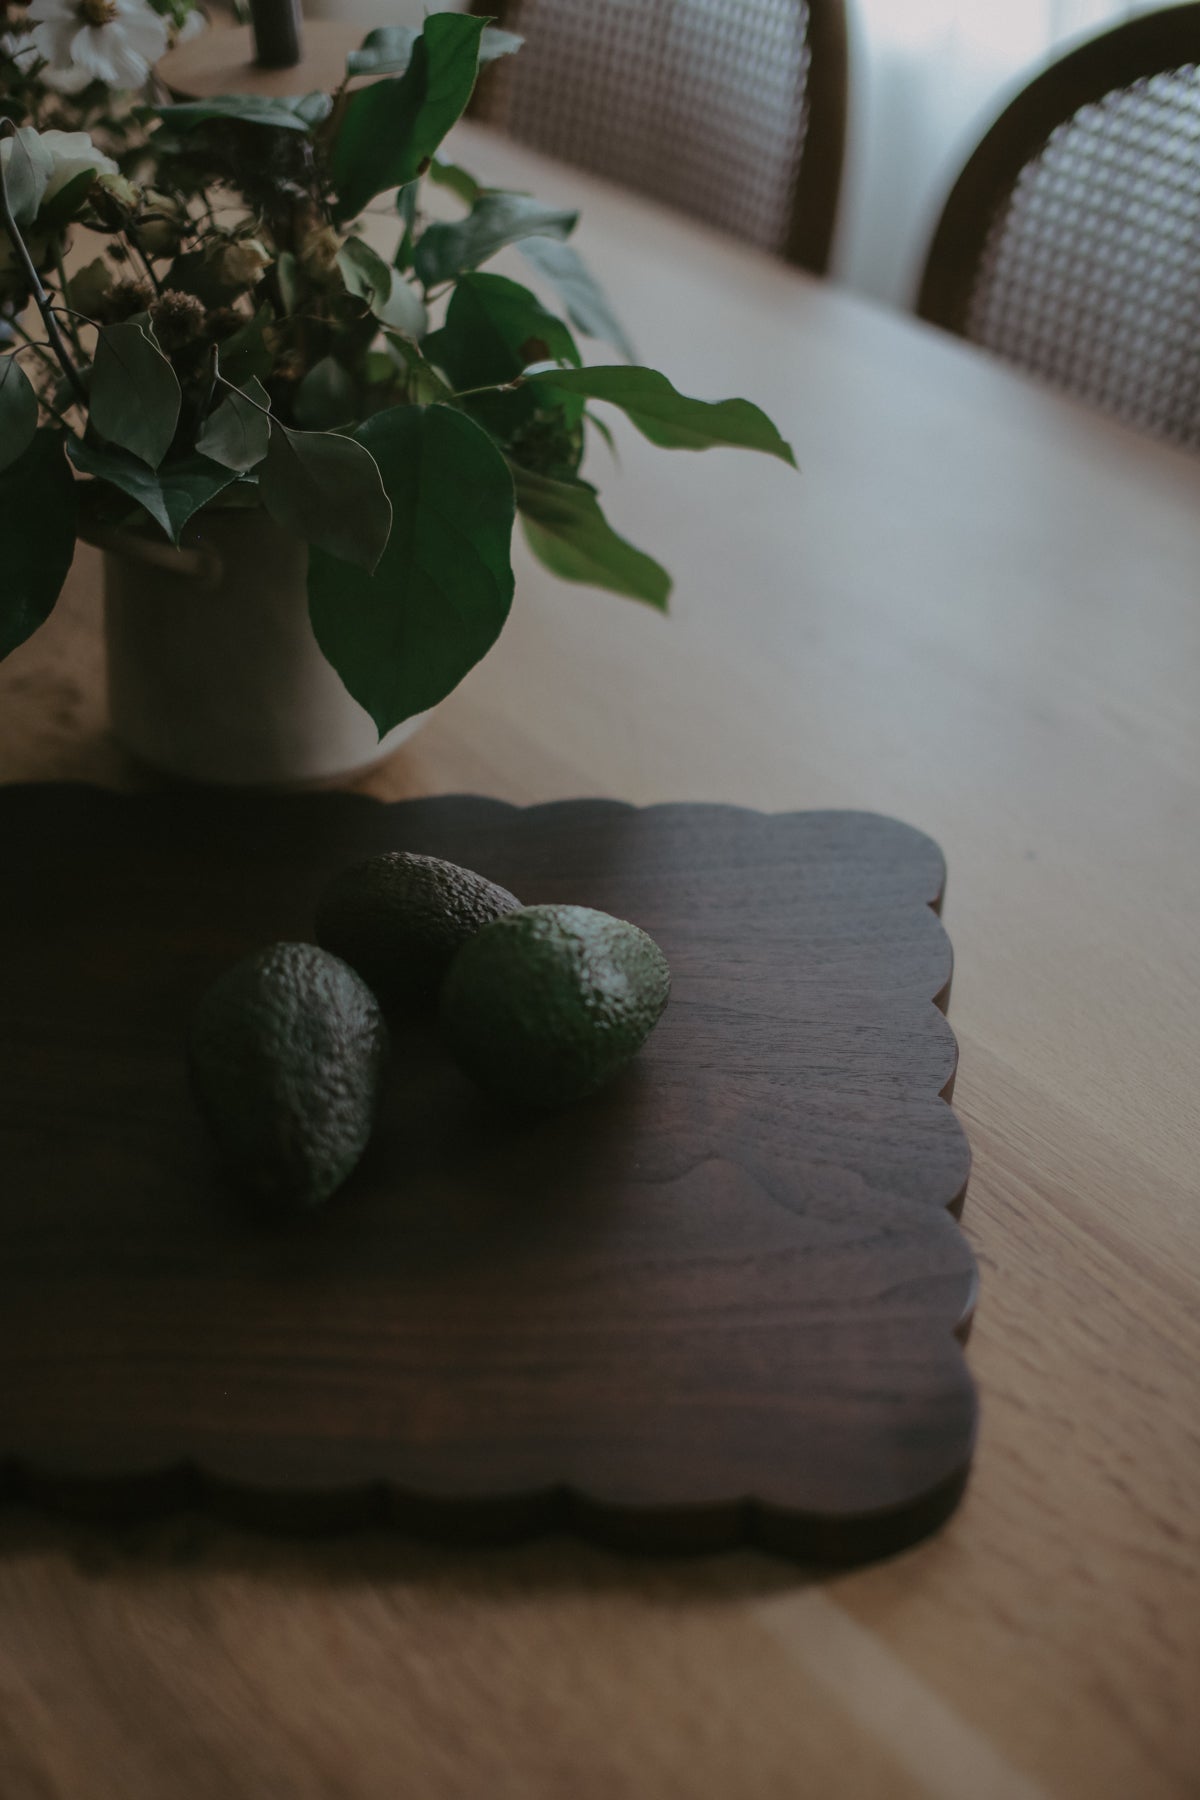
pixel 20 49
pixel 59 156
pixel 193 26
pixel 113 41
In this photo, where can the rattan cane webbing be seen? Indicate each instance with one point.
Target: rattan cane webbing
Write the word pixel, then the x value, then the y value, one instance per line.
pixel 1090 275
pixel 702 104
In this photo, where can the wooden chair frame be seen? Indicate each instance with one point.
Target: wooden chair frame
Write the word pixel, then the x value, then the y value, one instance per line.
pixel 809 236
pixel 1143 46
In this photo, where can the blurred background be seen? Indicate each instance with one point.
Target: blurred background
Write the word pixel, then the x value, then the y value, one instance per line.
pixel 925 80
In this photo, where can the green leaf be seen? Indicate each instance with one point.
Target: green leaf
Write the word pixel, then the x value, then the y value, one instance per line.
pixel 297 112
pixel 390 130
pixel 25 173
pixel 406 206
pixel 494 221
pixel 425 385
pixel 135 396
pixel 327 396
pixel 313 108
pixel 567 531
pixel 18 412
pixel 585 300
pixel 237 432
pixel 89 286
pixel 37 529
pixel 600 425
pixel 494 329
pixel 68 201
pixel 496 43
pixel 326 488
pixel 667 417
pixel 170 494
pixel 451 175
pixel 388 49
pixel 404 637
pixel 245 354
pixel 385 51
pixel 386 293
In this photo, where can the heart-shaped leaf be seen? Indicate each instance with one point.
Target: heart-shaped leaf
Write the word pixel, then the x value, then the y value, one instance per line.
pixel 665 416
pixel 402 638
pixel 425 385
pixel 389 131
pixel 587 304
pixel 327 489
pixel 494 329
pixel 37 529
pixel 567 531
pixel 170 494
pixel 456 179
pixel 135 395
pixel 246 355
pixel 237 432
pixel 494 221
pixel 18 411
pixel 327 396
pixel 89 286
pixel 386 292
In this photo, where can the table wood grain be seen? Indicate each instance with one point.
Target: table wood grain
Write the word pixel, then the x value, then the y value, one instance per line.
pixel 978 609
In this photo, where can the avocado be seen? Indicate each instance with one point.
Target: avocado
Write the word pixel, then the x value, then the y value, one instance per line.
pixel 286 1054
pixel 544 1005
pixel 400 918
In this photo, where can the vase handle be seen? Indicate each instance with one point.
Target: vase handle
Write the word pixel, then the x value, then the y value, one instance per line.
pixel 204 567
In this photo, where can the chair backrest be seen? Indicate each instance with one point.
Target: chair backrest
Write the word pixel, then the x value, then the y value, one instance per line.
pixel 733 110
pixel 1070 244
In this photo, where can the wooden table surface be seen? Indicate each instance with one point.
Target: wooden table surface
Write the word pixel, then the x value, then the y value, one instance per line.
pixel 978 608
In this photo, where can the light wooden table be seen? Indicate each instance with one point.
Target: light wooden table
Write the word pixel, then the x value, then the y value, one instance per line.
pixel 977 608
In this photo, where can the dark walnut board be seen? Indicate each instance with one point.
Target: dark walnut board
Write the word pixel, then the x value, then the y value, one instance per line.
pixel 722 1301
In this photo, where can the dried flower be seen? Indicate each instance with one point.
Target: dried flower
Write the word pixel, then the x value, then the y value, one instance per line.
pixel 178 319
pixel 160 226
pixel 125 298
pixel 240 264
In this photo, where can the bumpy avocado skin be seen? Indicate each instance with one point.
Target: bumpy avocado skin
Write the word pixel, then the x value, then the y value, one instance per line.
pixel 400 919
pixel 545 1005
pixel 287 1052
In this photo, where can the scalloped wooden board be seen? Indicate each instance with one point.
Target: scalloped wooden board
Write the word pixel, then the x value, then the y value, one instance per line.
pixel 722 1301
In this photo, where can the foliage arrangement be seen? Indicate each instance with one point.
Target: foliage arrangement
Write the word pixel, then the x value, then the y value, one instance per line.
pixel 240 339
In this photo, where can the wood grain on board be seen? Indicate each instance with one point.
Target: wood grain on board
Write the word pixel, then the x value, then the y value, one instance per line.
pixel 716 1302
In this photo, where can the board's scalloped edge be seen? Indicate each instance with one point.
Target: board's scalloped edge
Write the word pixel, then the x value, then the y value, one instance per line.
pixel 118 1495
pixel 121 1496
pixel 229 799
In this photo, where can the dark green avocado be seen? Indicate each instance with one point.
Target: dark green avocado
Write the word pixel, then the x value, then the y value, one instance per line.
pixel 545 1005
pixel 400 918
pixel 286 1054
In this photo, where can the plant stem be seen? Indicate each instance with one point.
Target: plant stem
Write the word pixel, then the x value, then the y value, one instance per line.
pixel 212 381
pixel 242 395
pixel 492 387
pixel 155 283
pixel 62 291
pixel 41 298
